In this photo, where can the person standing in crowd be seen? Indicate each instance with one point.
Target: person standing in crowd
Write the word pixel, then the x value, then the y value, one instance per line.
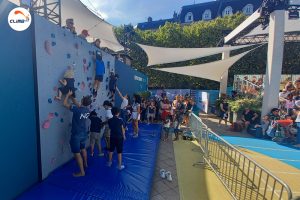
pixel 117 137
pixel 224 107
pixel 124 105
pixel 84 34
pixel 151 110
pixel 79 130
pixel 108 115
pixel 247 117
pixel 136 110
pixel 97 43
pixel 297 121
pixel 180 110
pixel 70 26
pixel 189 110
pixel 96 133
pixel 100 71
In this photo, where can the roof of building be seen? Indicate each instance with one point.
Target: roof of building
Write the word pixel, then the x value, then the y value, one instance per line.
pixel 216 7
pixel 154 24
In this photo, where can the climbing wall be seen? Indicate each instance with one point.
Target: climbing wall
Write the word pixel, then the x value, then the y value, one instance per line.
pixel 56 50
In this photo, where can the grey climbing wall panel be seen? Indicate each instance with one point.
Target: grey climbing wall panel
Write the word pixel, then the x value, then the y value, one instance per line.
pixel 56 50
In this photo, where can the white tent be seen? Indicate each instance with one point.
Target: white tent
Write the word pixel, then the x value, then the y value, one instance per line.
pixel 86 19
pixel 162 55
pixel 212 71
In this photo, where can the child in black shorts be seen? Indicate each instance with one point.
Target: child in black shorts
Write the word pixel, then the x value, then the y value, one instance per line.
pixel 112 86
pixel 117 137
pixel 67 85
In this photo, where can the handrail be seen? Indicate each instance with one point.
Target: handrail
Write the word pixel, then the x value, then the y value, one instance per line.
pixel 217 146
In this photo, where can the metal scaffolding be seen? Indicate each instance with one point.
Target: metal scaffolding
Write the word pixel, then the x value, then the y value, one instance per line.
pixel 50 9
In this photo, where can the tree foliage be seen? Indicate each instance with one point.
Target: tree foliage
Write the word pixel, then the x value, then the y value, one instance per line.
pixel 198 35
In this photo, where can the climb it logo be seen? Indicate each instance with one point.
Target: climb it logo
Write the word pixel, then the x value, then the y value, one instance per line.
pixel 19 19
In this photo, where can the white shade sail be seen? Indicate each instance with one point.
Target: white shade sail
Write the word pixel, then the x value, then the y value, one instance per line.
pixel 162 55
pixel 84 18
pixel 212 71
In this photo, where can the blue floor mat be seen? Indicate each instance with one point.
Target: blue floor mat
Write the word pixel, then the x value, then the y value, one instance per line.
pixel 285 153
pixel 104 183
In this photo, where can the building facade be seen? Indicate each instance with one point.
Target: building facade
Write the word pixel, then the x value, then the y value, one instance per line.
pixel 205 12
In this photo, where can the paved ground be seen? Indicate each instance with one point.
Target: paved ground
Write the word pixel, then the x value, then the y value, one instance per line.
pixel 163 189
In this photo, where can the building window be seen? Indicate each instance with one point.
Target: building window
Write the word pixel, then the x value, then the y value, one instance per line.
pixel 206 15
pixel 227 11
pixel 189 17
pixel 248 9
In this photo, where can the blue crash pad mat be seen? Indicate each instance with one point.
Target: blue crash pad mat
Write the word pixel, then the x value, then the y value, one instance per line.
pixel 102 182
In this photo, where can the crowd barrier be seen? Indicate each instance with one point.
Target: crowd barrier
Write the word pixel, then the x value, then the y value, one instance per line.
pixel 241 176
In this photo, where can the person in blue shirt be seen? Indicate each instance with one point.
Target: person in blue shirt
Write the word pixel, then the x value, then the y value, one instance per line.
pixel 117 137
pixel 79 130
pixel 100 71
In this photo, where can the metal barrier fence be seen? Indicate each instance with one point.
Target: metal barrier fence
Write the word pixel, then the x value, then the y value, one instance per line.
pixel 242 177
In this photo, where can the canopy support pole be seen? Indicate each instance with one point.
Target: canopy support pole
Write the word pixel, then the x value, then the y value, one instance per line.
pixel 275 60
pixel 224 78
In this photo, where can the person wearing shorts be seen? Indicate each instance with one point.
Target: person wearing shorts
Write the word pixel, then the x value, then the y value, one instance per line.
pixel 151 112
pixel 100 71
pixel 136 110
pixel 96 133
pixel 108 115
pixel 79 130
pixel 117 137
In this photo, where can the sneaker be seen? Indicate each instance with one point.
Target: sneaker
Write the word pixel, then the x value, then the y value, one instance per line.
pixel 121 167
pixel 108 164
pixel 169 176
pixel 135 135
pixel 162 173
pixel 101 154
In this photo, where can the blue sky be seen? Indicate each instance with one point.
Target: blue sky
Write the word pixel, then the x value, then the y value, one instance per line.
pixel 119 12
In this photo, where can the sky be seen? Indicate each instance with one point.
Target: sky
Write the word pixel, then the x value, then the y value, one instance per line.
pixel 118 12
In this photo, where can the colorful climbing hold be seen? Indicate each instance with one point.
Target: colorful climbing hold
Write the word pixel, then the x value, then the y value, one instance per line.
pixel 56 114
pixel 76 45
pixel 53 43
pixel 46 124
pixel 84 61
pixel 90 64
pixel 52 35
pixel 78 83
pixel 68 56
pixel 50 116
pixel 47 47
pixel 49 100
pixel 82 85
pixel 62 120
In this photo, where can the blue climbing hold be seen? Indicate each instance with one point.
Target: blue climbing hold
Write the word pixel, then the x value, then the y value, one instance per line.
pixel 90 64
pixel 53 43
pixel 56 114
pixel 49 100
pixel 68 56
pixel 52 35
pixel 62 120
pixel 78 83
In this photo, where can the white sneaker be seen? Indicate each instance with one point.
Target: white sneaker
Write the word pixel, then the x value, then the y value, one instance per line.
pixel 162 173
pixel 101 154
pixel 121 167
pixel 169 176
pixel 135 135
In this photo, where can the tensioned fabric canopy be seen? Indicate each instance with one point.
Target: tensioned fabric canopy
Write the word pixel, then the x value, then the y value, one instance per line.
pixel 86 19
pixel 162 55
pixel 212 71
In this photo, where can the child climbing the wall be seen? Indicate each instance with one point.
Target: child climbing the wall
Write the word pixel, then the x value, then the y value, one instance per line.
pixel 108 115
pixel 79 130
pixel 67 84
pixel 117 137
pixel 96 133
pixel 100 71
pixel 112 86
